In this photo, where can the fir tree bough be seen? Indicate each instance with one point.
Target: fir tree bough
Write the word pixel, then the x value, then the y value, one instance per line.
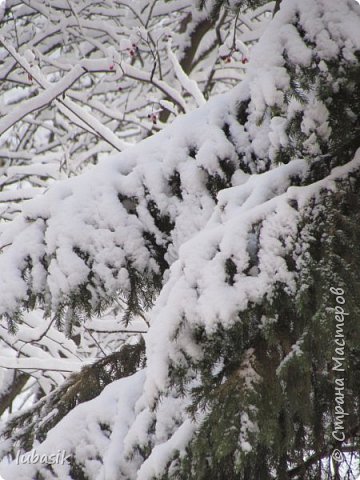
pixel 243 217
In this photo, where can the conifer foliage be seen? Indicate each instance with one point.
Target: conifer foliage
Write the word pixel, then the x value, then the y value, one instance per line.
pixel 234 226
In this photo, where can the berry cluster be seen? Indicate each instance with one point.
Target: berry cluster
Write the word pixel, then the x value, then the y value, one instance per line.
pixel 153 117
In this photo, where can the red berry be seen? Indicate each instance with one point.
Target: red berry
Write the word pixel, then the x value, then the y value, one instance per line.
pixel 245 60
pixel 111 67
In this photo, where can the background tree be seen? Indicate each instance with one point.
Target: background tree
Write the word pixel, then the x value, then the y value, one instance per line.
pixel 103 76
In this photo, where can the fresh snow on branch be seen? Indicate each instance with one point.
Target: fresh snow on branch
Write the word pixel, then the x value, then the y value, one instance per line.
pixel 56 364
pixel 193 230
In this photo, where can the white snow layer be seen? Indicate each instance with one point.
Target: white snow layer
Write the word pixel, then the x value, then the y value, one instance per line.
pixel 89 441
pixel 85 212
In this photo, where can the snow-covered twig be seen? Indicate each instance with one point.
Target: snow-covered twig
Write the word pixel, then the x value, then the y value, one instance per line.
pixel 52 93
pixel 189 85
pixel 31 363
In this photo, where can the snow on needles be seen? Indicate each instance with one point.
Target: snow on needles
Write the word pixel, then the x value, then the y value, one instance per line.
pixel 89 423
pixel 104 214
pixel 163 187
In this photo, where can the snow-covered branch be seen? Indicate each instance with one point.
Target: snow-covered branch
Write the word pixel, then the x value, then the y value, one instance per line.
pixel 31 363
pixel 189 85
